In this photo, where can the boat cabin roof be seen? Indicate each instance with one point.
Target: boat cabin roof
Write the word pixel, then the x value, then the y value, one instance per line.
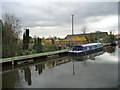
pixel 87 44
pixel 91 44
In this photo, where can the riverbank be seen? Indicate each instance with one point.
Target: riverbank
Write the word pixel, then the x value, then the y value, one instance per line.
pixel 12 60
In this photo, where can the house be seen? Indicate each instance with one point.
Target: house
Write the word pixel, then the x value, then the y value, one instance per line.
pixel 92 37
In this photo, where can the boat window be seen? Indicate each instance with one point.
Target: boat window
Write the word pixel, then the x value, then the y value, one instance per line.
pixel 78 48
pixel 100 45
pixel 90 47
pixel 85 48
pixel 96 46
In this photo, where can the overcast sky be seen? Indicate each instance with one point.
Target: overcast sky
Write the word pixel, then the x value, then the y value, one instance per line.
pixel 46 19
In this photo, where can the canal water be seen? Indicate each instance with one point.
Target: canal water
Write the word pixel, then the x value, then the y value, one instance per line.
pixel 96 70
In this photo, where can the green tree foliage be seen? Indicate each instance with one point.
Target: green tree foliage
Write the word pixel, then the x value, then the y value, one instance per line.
pixel 38 45
pixel 11 30
pixel 26 39
pixel 53 42
pixel 111 38
pixel 92 38
pixel 35 44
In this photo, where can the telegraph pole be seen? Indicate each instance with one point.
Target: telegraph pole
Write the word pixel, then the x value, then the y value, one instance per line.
pixel 72 25
pixel 72 42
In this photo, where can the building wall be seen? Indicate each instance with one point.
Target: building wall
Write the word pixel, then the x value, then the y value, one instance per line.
pixel 96 35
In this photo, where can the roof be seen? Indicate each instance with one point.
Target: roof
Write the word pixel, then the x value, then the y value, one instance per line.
pixel 81 35
pixel 89 44
pixel 117 35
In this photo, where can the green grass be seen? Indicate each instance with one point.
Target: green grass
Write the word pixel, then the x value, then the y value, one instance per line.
pixel 31 55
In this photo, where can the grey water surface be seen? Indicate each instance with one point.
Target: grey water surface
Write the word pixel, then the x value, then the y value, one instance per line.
pixel 96 70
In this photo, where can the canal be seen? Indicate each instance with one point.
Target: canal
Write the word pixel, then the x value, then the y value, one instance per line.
pixel 96 70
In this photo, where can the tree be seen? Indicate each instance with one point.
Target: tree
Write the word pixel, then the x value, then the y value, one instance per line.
pixel 84 29
pixel 35 44
pixel 38 45
pixel 11 30
pixel 1 24
pixel 26 39
pixel 109 38
pixel 55 38
pixel 112 39
pixel 52 40
pixel 92 38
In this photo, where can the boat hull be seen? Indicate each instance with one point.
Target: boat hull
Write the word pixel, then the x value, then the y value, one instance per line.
pixel 85 52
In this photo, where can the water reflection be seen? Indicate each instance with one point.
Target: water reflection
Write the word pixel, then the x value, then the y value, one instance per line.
pixel 50 64
pixel 10 79
pixel 73 68
pixel 110 49
pixel 40 68
pixel 60 72
pixel 27 74
pixel 85 57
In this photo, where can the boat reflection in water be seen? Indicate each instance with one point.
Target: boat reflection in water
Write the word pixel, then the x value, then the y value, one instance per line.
pixel 88 56
pixel 47 63
pixel 83 58
pixel 65 71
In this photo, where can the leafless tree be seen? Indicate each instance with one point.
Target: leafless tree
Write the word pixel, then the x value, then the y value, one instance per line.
pixel 84 29
pixel 10 35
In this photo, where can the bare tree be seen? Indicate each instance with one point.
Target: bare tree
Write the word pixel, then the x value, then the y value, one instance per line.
pixel 84 29
pixel 10 35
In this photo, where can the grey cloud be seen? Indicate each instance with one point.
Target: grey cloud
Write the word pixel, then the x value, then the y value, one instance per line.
pixel 59 13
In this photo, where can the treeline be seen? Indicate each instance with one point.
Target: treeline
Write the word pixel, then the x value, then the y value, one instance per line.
pixel 39 45
pixel 12 45
pixel 36 48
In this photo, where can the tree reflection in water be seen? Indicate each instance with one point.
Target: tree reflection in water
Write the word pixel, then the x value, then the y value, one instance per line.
pixel 27 74
pixel 110 49
pixel 13 78
pixel 40 68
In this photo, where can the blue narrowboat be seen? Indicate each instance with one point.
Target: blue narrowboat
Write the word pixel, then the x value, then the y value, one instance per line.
pixel 86 48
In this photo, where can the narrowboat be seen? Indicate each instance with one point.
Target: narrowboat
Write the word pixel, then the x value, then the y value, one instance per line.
pixel 78 57
pixel 86 48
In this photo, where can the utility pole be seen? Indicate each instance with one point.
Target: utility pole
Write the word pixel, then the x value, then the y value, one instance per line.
pixel 72 25
pixel 72 42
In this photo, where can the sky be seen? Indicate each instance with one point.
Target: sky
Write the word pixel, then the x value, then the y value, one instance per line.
pixel 48 19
